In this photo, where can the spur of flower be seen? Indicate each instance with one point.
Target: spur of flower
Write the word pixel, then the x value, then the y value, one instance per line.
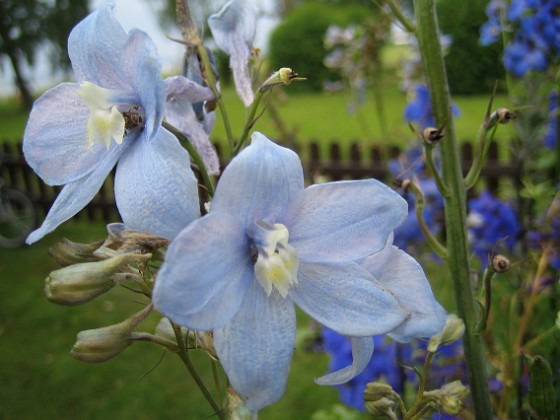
pixel 268 244
pixel 77 133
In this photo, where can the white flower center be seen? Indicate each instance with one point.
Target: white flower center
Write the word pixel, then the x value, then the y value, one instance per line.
pixel 277 262
pixel 106 122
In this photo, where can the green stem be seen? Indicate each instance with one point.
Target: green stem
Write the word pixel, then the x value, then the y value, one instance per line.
pixel 408 25
pixel 539 338
pixel 194 156
pixel 150 338
pixel 184 355
pixel 455 203
pixel 487 288
pixel 249 121
pixel 436 245
pixel 212 83
pixel 429 152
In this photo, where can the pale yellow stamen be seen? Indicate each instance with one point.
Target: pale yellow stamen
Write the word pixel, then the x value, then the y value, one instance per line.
pixel 105 122
pixel 277 262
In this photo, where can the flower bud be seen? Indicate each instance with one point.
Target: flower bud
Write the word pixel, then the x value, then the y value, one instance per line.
pixel 449 397
pixel 102 344
pixel 128 240
pixel 80 283
pixel 66 252
pixel 205 340
pixel 382 407
pixel 377 390
pixel 500 115
pixel 164 329
pixel 284 76
pixel 432 135
pixel 500 264
pixel 452 331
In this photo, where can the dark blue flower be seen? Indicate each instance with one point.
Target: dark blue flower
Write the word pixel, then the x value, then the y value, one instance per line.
pixel 388 363
pixel 536 40
pixel 491 224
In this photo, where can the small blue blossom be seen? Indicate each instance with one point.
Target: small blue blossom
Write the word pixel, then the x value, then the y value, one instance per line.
pixel 491 224
pixel 535 43
pixel 233 29
pixel 77 132
pixel 419 109
pixel 267 244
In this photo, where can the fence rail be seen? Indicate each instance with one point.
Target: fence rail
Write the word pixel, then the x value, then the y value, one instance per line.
pixel 362 162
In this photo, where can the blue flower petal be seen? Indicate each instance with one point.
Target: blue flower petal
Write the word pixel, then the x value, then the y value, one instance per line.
pixel 345 220
pixel 399 273
pixel 362 350
pixel 233 30
pixel 142 64
pixel 256 347
pixel 181 115
pixel 75 195
pixel 55 138
pixel 155 188
pixel 179 88
pixel 259 183
pixel 95 49
pixel 206 272
pixel 346 298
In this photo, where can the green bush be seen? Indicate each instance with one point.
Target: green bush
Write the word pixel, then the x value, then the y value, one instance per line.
pixel 298 41
pixel 471 67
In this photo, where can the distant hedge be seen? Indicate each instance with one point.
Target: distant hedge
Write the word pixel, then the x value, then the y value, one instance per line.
pixel 298 41
pixel 471 67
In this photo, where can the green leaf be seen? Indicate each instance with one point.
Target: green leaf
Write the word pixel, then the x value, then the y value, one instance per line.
pixel 542 398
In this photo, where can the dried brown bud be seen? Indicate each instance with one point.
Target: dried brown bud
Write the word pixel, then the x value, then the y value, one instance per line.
pixel 432 135
pixel 500 264
pixel 505 115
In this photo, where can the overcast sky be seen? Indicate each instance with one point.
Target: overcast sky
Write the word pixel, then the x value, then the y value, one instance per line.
pixel 132 13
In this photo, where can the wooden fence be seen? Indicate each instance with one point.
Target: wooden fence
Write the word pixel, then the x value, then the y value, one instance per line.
pixel 354 161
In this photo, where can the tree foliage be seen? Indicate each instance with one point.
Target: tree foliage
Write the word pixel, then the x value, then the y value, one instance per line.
pixel 29 25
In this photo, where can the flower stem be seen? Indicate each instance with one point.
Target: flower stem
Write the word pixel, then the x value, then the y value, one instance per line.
pixel 419 201
pixel 212 83
pixel 249 121
pixel 184 355
pixel 194 156
pixel 408 25
pixel 455 202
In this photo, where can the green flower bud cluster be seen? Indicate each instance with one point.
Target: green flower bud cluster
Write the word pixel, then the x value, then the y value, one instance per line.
pixel 380 400
pixel 449 398
pixel 102 344
pixel 80 283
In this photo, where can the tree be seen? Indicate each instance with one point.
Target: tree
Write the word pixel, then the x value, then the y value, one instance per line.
pixel 26 26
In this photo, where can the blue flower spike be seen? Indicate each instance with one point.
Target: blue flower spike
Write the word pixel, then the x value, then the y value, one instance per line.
pixel 77 133
pixel 267 244
pixel 233 29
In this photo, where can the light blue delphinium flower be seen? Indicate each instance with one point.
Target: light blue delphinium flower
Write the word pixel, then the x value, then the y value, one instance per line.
pixel 267 244
pixel 233 29
pixel 398 273
pixel 77 132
